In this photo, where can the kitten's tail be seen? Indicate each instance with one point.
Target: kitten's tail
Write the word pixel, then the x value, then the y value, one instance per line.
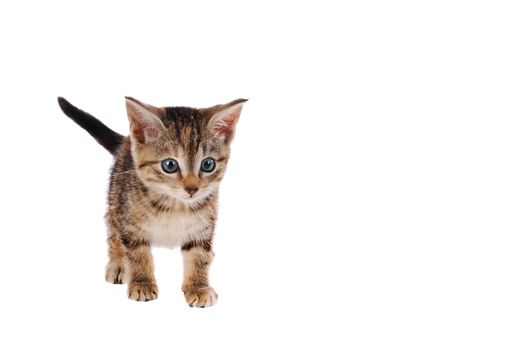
pixel 106 137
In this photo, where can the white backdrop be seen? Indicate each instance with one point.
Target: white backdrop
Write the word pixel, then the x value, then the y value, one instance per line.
pixel 373 199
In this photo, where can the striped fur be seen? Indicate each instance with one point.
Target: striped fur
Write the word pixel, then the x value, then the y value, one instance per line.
pixel 148 207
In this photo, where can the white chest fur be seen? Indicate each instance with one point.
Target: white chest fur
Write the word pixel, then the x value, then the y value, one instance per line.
pixel 174 229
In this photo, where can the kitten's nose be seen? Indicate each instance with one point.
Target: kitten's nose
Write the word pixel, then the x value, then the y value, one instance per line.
pixel 191 189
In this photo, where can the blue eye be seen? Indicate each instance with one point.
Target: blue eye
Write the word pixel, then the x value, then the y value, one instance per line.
pixel 170 166
pixel 208 165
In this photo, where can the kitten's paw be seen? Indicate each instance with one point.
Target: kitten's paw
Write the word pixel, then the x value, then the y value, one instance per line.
pixel 114 274
pixel 201 297
pixel 142 291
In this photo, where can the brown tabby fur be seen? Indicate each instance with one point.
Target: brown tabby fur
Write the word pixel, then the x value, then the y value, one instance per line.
pixel 149 207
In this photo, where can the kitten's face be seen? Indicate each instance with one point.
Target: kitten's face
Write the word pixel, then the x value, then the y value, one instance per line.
pixel 182 152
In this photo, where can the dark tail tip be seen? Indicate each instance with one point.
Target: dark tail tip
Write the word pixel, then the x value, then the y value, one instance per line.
pixel 66 106
pixel 63 103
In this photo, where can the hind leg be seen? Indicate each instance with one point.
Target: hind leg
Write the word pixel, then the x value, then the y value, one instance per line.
pixel 115 269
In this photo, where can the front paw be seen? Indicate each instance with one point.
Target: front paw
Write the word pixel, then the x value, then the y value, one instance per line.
pixel 114 273
pixel 200 297
pixel 142 291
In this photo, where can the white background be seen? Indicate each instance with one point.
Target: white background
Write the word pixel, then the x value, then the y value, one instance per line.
pixel 373 199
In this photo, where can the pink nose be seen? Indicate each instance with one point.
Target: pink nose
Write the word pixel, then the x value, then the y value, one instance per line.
pixel 191 189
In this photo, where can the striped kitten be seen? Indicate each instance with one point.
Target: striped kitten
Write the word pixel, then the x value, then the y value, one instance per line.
pixel 164 190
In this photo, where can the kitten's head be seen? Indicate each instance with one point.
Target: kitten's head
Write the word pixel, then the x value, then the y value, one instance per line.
pixel 182 152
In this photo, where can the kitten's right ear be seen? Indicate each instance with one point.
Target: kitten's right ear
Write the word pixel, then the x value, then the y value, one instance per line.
pixel 146 125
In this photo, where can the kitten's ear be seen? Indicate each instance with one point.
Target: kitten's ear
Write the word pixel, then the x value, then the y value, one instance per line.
pixel 224 118
pixel 146 125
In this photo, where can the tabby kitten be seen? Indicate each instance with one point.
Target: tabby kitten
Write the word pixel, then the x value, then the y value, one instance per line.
pixel 163 190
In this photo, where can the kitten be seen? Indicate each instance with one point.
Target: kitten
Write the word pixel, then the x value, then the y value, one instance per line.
pixel 163 190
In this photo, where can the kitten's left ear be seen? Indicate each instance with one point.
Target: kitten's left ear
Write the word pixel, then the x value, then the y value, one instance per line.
pixel 144 119
pixel 224 118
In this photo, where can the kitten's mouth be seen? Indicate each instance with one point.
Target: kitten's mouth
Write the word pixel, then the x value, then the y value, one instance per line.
pixel 190 199
pixel 195 198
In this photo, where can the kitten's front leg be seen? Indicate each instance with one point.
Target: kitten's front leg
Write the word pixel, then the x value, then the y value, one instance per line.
pixel 197 257
pixel 142 284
